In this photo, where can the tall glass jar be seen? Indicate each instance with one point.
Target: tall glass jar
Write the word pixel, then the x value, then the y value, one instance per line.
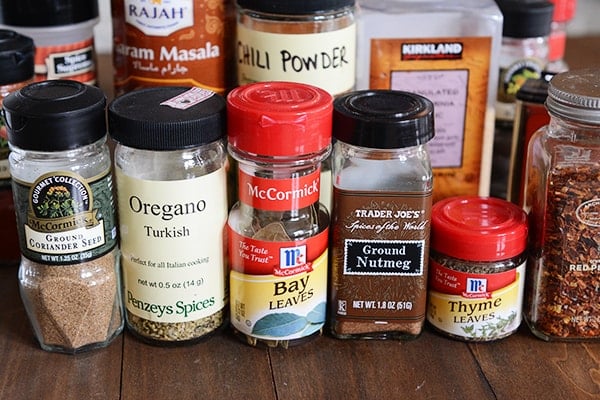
pixel 563 203
pixel 382 190
pixel 16 71
pixel 279 133
pixel 170 164
pixel 62 186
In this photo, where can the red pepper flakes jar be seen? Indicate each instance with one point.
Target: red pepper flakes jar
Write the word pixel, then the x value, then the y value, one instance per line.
pixel 279 133
pixel 476 268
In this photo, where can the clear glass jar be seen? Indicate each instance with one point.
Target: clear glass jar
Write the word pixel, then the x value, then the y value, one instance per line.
pixel 562 199
pixel 382 189
pixel 170 165
pixel 62 185
pixel 523 55
pixel 279 133
pixel 477 268
pixel 16 71
pixel 305 42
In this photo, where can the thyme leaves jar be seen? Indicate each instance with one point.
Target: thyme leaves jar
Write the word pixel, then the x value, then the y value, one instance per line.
pixel 477 267
pixel 382 191
pixel 170 163
pixel 62 186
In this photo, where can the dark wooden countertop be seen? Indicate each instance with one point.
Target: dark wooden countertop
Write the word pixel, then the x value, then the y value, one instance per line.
pixel 430 367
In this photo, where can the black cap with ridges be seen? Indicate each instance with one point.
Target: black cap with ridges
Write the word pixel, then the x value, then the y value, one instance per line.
pixel 16 57
pixel 36 13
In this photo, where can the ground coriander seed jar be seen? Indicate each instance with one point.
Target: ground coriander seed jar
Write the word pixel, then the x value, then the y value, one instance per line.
pixel 382 191
pixel 170 163
pixel 477 267
pixel 562 198
pixel 62 186
pixel 279 133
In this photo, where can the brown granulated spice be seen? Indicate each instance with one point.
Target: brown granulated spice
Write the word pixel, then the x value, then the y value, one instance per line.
pixel 563 284
pixel 74 305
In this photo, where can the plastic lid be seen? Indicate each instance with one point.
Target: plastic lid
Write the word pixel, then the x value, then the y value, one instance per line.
pixel 47 13
pixel 526 19
pixel 535 90
pixel 294 6
pixel 16 57
pixel 55 115
pixel 478 228
pixel 167 118
pixel 383 119
pixel 575 95
pixel 564 10
pixel 279 119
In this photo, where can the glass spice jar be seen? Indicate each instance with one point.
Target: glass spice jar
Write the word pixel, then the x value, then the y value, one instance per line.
pixel 16 71
pixel 170 166
pixel 60 167
pixel 477 267
pixel 382 190
pixel 563 202
pixel 279 133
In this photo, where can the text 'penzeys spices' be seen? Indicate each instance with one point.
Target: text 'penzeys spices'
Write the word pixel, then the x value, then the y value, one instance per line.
pixel 562 198
pixel 62 185
pixel 279 133
pixel 170 166
pixel 382 188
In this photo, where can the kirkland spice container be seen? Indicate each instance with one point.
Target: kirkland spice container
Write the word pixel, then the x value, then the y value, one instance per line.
pixel 477 267
pixel 63 33
pixel 279 133
pixel 563 202
pixel 62 186
pixel 382 189
pixel 16 71
pixel 170 162
pixel 448 52
pixel 173 43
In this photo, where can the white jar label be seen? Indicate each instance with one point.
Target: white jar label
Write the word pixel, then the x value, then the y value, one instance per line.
pixel 172 244
pixel 326 60
pixel 159 18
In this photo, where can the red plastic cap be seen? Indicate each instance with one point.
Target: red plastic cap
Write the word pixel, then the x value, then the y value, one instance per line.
pixel 478 228
pixel 279 118
pixel 564 10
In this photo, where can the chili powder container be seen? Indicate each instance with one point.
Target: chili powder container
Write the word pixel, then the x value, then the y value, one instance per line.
pixel 477 267
pixel 279 133
pixel 170 163
pixel 60 165
pixel 382 190
pixel 563 202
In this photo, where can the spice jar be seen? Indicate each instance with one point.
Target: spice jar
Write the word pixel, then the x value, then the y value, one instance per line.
pixel 279 133
pixel 16 71
pixel 309 42
pixel 477 267
pixel 563 202
pixel 170 162
pixel 62 186
pixel 63 32
pixel 382 189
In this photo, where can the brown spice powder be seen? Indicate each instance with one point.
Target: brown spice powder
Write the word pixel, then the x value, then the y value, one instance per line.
pixel 73 310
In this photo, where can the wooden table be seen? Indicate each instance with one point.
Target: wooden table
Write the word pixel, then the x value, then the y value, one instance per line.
pixel 430 367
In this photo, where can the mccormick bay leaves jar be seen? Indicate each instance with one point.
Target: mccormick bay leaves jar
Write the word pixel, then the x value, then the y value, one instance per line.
pixel 62 187
pixel 170 163
pixel 382 188
pixel 563 202
pixel 477 267
pixel 279 133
